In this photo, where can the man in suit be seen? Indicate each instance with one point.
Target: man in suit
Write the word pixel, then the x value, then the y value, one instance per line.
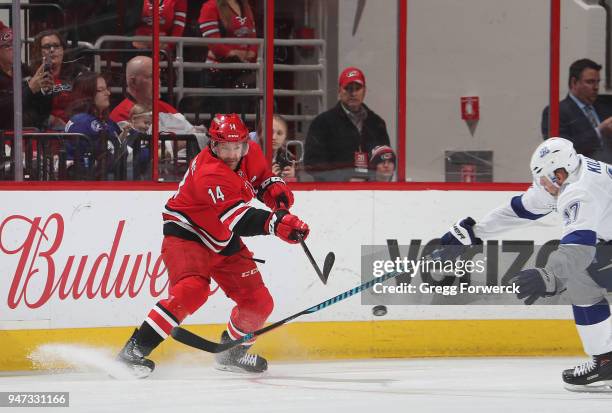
pixel 583 118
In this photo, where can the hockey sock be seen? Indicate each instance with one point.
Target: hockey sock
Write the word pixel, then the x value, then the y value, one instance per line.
pixel 156 327
pixel 594 327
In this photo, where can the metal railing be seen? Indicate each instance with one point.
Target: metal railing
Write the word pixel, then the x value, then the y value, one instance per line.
pixel 183 66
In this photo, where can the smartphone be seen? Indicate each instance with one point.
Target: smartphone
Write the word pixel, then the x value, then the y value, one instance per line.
pixel 47 65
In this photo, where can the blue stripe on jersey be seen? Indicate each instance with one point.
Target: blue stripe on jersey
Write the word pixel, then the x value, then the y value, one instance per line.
pixel 594 314
pixel 581 237
pixel 519 209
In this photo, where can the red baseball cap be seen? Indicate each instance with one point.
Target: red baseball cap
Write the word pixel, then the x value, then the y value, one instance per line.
pixel 350 75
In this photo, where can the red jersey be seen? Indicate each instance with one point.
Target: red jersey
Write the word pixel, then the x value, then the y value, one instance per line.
pixel 211 26
pixel 62 97
pixel 122 111
pixel 212 199
pixel 172 17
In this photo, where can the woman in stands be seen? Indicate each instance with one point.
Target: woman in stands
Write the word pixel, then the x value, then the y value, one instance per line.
pixel 283 159
pixel 51 103
pixel 89 111
pixel 172 18
pixel 230 19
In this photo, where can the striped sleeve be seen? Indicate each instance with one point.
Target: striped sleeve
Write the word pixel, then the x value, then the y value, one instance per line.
pixel 232 215
pixel 209 22
pixel 180 18
pixel 215 242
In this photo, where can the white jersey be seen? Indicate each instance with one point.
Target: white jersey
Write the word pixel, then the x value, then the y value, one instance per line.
pixel 585 203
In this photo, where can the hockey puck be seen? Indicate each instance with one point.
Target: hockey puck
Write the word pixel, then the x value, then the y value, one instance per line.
pixel 379 310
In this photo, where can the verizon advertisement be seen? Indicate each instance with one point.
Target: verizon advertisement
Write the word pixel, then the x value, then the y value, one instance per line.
pixel 91 259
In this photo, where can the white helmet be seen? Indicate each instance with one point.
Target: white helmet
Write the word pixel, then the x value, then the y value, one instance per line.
pixel 552 154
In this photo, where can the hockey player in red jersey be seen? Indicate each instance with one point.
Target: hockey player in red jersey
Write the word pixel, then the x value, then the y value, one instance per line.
pixel 203 225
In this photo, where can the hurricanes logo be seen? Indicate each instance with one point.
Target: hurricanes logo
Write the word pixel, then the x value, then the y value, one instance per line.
pixel 242 20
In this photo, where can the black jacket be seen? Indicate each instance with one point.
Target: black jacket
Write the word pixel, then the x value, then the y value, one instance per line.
pixel 576 127
pixel 332 140
pixel 6 99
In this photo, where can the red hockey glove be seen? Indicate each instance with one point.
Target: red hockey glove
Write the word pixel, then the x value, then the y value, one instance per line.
pixel 275 193
pixel 287 226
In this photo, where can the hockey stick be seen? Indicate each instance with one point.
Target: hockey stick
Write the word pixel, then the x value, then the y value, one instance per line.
pixel 193 340
pixel 327 264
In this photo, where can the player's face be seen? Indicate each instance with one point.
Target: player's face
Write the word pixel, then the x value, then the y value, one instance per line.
pixel 230 153
pixel 553 188
pixel 587 87
pixel 352 96
pixel 102 100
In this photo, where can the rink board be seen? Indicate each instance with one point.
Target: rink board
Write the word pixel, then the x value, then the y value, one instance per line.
pixel 82 265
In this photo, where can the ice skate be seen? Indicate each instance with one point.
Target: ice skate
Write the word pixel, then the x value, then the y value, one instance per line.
pixel 594 375
pixel 238 360
pixel 133 356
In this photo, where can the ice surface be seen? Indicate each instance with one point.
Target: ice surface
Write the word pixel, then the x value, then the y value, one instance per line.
pixel 191 384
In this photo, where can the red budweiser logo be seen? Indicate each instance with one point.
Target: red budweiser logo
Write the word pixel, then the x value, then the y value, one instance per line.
pixel 39 277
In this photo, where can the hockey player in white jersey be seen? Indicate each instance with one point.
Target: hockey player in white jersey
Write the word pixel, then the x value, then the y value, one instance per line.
pixel 580 189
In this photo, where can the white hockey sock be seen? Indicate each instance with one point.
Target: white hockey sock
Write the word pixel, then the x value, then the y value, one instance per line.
pixel 594 326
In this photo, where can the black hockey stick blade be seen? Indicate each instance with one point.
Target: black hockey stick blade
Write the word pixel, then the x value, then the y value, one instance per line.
pixel 320 273
pixel 328 264
pixel 193 340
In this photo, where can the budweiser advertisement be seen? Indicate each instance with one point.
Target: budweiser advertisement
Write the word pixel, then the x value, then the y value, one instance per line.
pixel 92 258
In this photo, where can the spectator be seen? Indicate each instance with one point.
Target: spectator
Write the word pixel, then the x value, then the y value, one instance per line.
pixel 231 19
pixel 140 118
pixel 172 18
pixel 137 143
pixel 139 85
pixel 89 116
pixel 283 160
pixel 31 86
pixel 139 80
pixel 583 118
pixel 382 163
pixel 49 111
pixel 235 19
pixel 340 139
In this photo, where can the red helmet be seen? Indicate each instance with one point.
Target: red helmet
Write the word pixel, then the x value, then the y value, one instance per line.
pixel 228 128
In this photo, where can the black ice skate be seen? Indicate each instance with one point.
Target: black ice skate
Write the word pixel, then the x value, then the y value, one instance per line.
pixel 133 356
pixel 238 360
pixel 594 375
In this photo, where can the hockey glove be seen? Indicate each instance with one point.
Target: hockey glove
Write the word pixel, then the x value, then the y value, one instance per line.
pixel 534 283
pixel 457 240
pixel 275 193
pixel 287 226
